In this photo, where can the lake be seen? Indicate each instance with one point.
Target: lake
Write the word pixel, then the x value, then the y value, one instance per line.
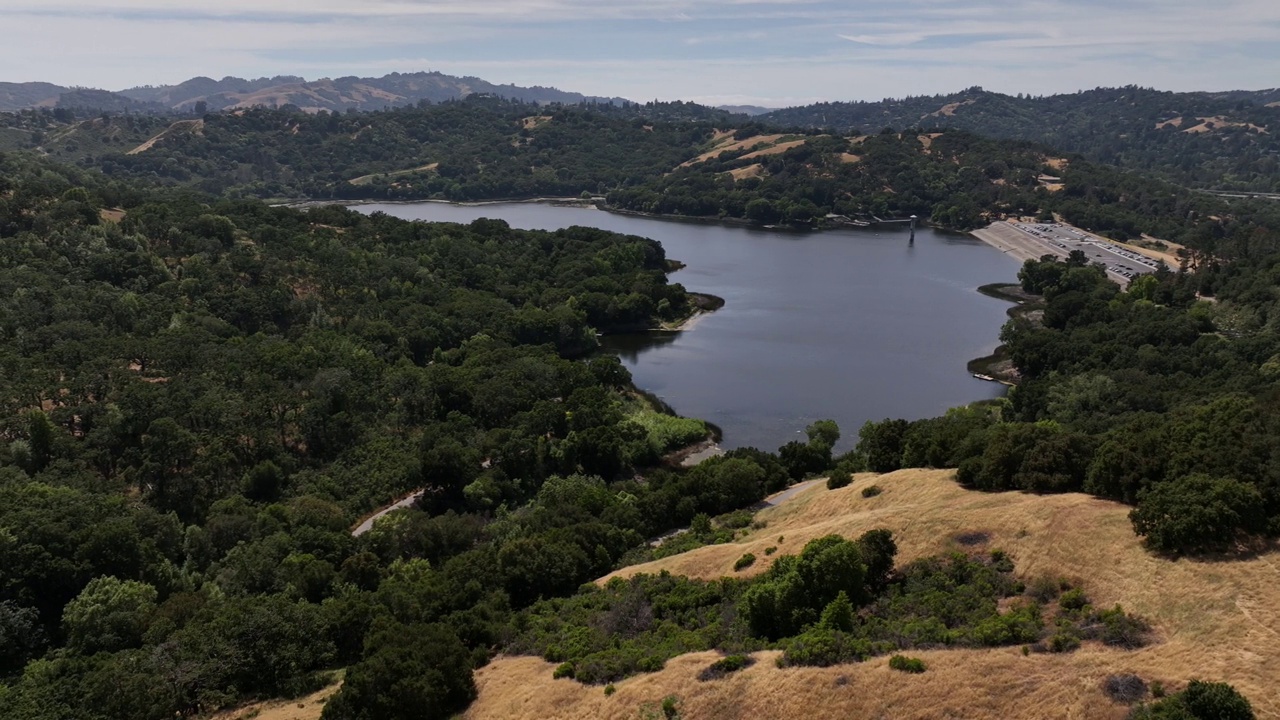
pixel 852 325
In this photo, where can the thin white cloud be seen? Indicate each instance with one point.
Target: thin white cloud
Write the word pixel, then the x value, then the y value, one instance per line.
pixel 759 52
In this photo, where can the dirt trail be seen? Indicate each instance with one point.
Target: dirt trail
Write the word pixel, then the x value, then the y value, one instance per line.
pixel 401 504
pixel 193 125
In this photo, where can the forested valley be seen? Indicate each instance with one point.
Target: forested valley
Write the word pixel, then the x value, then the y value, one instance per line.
pixel 202 394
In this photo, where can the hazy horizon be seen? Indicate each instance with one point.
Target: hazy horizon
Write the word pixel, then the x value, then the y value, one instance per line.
pixel 719 52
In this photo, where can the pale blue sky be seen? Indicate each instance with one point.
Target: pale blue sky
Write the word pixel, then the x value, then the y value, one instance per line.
pixel 767 52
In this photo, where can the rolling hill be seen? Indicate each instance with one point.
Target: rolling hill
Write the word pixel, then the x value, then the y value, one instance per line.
pixel 340 94
pixel 1214 620
pixel 1207 139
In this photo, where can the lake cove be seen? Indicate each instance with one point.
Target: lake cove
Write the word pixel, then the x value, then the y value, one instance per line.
pixel 852 325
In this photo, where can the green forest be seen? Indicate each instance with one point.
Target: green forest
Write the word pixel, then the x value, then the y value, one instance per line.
pixel 201 394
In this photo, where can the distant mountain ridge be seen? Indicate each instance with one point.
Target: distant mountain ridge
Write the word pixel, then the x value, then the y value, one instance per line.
pixel 231 93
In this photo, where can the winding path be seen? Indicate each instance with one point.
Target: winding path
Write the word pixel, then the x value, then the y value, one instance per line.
pixel 367 525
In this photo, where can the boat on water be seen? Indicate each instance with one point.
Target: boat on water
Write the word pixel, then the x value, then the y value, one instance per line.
pixel 988 378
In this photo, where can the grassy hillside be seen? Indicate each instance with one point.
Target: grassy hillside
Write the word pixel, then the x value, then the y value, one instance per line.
pixel 1214 619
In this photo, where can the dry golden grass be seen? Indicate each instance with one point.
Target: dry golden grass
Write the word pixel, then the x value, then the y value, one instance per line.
pixel 1214 620
pixel 747 172
pixel 534 122
pixel 850 158
pixel 1056 163
pixel 303 708
pixel 724 142
pixel 1175 122
pixel 948 110
pixel 775 150
pixel 111 215
pixel 1220 123
pixel 1169 256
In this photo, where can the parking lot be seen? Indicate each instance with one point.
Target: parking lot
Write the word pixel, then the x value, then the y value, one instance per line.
pixel 1122 263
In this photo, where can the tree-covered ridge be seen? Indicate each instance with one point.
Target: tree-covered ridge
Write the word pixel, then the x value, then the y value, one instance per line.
pixel 644 158
pixel 1224 140
pixel 482 148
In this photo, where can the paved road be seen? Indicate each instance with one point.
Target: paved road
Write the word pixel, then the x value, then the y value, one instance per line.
pixel 367 525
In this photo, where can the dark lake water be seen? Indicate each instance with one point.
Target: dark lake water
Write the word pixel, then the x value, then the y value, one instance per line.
pixel 853 325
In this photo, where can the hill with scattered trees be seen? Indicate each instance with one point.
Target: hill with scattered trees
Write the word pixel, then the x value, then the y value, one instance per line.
pixel 1219 140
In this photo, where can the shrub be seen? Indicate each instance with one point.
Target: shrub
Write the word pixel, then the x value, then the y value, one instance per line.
pixel 564 670
pixel 906 664
pixel 771 550
pixel 1200 701
pixel 871 491
pixel 838 480
pixel 1015 627
pixel 744 562
pixel 670 707
pixel 1065 640
pixel 821 647
pixel 609 690
pixel 1044 588
pixel 735 520
pixel 1120 629
pixel 1219 701
pixel 724 666
pixel 1124 688
pixel 1073 600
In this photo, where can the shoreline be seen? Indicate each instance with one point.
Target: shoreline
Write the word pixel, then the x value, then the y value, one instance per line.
pixel 993 365
pixel 998 366
pixel 598 203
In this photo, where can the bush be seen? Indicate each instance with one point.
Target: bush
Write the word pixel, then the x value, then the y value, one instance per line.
pixel 771 550
pixel 1065 640
pixel 1073 600
pixel 724 666
pixel 744 562
pixel 609 690
pixel 735 520
pixel 1197 513
pixel 1120 629
pixel 821 647
pixel 871 491
pixel 1044 588
pixel 838 480
pixel 1200 701
pixel 411 671
pixel 1127 688
pixel 564 670
pixel 906 664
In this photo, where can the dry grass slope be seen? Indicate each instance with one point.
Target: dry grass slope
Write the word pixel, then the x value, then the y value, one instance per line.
pixel 303 708
pixel 1215 620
